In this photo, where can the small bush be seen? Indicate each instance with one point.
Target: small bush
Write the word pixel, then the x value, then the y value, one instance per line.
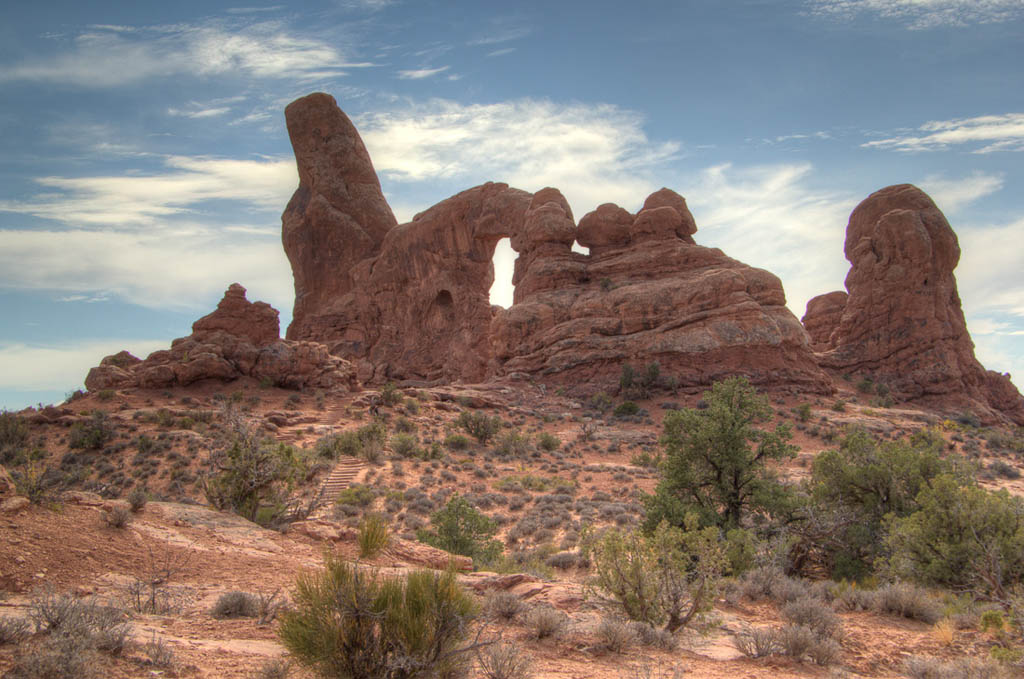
pixel 503 606
pixel 544 622
pixel 757 642
pixel 373 536
pixel 839 406
pixel 479 425
pixel 908 601
pixel 460 529
pixel 390 395
pixel 917 667
pixel 137 499
pixel 548 442
pixel 615 636
pixel 796 640
pixel 405 445
pixel 626 409
pixel 13 435
pixel 56 658
pixel 117 516
pixel 235 605
pixel 456 442
pixel 825 652
pixel 811 613
pixel 358 495
pixel 159 652
pixel 649 635
pixel 276 668
pixel 14 630
pixel 503 661
pixel 347 622
pixel 91 435
pixel 803 412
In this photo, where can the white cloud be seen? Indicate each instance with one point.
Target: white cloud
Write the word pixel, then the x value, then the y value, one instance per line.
pixel 502 34
pixel 26 367
pixel 185 181
pixel 923 14
pixel 501 52
pixel 103 57
pixel 592 153
pixel 421 73
pixel 179 267
pixel 771 218
pixel 989 272
pixel 983 134
pixel 953 194
pixel 200 113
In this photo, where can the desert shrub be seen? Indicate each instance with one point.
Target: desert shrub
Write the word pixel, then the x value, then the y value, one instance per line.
pixel 649 635
pixel 503 606
pixel 906 600
pixel 275 668
pixel 350 623
pixel 456 442
pixel 137 499
pixel 601 402
pixel 373 536
pixel 404 425
pixel 803 412
pixel 810 613
pixel 366 442
pixel 918 667
pixel 252 476
pixel 562 560
pixel 716 460
pixel 614 635
pixel 863 485
pixel 548 442
pixel 357 494
pixel 503 661
pixel 513 444
pixel 390 395
pixel 235 605
pixel 460 529
pixel 757 642
pixel 545 622
pixel 825 651
pixel 405 445
pixel 13 435
pixel 35 481
pixel 626 409
pixel 961 537
pixel 1003 469
pixel 78 623
pixel 667 578
pixel 56 658
pixel 91 435
pixel 117 516
pixel 159 652
pixel 796 640
pixel 479 425
pixel 14 630
pixel 839 406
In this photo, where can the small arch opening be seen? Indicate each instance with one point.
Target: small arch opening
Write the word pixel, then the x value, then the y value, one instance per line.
pixel 504 261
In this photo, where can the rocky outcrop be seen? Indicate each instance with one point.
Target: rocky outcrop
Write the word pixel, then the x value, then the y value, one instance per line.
pixel 239 339
pixel 822 317
pixel 336 219
pixel 412 301
pixel 902 323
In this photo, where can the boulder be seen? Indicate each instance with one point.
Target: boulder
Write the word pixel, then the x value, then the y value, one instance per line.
pixel 822 317
pixel 256 322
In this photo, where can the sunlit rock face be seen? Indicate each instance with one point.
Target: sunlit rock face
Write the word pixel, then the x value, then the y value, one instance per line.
pixel 901 322
pixel 411 301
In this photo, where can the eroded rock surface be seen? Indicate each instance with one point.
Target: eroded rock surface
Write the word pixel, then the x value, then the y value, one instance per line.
pixel 902 323
pixel 823 315
pixel 240 338
pixel 411 301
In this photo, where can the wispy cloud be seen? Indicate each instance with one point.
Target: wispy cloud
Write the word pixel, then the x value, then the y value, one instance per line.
pixel 593 153
pixel 922 14
pixel 421 73
pixel 115 56
pixel 200 113
pixel 184 183
pixel 983 134
pixel 502 34
pixel 951 195
pixel 739 208
pixel 28 367
pixel 501 52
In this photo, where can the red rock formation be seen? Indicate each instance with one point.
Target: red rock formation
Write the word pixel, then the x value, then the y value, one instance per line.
pixel 336 219
pixel 822 317
pixel 902 323
pixel 239 339
pixel 412 301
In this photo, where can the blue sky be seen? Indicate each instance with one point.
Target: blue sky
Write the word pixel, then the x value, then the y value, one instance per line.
pixel 144 161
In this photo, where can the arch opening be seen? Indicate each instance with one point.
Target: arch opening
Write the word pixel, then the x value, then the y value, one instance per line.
pixel 503 266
